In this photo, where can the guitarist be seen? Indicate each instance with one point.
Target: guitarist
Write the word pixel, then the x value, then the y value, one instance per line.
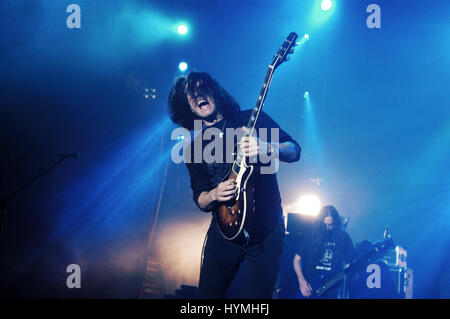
pixel 324 255
pixel 198 96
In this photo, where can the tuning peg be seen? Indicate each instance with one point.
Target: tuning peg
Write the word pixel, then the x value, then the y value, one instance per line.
pixel 291 51
pixel 286 59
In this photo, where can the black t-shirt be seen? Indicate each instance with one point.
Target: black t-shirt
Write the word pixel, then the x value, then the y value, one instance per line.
pixel 326 255
pixel 205 176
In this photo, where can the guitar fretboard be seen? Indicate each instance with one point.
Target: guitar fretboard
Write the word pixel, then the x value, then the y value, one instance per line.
pixel 254 115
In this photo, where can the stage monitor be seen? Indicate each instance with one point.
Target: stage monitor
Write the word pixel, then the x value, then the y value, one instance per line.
pixel 299 223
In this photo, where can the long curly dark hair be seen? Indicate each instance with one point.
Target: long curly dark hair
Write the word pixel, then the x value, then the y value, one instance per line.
pixel 319 232
pixel 329 211
pixel 202 83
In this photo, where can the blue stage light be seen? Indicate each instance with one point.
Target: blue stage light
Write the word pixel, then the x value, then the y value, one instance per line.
pixel 326 5
pixel 306 95
pixel 303 39
pixel 182 29
pixel 182 66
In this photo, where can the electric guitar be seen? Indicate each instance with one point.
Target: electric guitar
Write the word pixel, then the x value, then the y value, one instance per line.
pixel 231 216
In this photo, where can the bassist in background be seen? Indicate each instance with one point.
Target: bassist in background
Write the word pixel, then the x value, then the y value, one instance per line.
pixel 199 97
pixel 323 256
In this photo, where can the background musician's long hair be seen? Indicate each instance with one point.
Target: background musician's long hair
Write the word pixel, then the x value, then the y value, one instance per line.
pixel 329 211
pixel 320 232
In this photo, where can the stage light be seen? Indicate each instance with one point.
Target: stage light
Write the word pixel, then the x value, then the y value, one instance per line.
pixel 181 137
pixel 308 205
pixel 303 39
pixel 182 66
pixel 326 5
pixel 182 29
pixel 306 95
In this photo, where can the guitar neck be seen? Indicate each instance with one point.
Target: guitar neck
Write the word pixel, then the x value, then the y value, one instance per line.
pixel 255 114
pixel 330 283
pixel 260 101
pixel 280 57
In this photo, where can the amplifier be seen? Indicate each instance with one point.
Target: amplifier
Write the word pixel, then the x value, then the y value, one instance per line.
pixel 409 283
pixel 396 257
pixel 403 281
pixel 299 224
pixel 395 283
pixel 397 275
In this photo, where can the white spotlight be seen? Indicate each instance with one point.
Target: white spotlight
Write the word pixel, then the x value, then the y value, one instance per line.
pixel 183 66
pixel 326 5
pixel 182 29
pixel 308 205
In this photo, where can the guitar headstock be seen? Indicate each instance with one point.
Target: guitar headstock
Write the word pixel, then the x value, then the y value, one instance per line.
pixel 285 50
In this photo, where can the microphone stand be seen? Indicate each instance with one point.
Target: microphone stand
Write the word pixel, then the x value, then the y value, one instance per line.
pixel 6 199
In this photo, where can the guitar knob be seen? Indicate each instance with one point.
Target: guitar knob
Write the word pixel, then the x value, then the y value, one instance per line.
pixel 235 223
pixel 231 224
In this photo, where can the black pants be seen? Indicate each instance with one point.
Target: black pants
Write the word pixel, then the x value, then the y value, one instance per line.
pixel 261 262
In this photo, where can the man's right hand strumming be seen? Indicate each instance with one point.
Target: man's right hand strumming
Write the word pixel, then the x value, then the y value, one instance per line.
pixel 224 191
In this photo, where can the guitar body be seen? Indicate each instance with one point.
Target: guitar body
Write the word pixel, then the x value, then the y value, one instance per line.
pixel 231 216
